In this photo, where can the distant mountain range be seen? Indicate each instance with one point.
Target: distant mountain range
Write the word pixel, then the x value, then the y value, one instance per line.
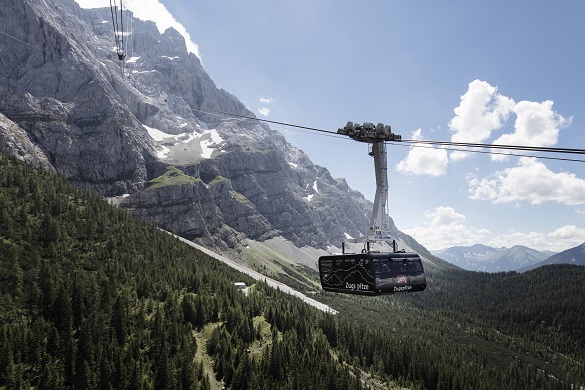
pixel 574 256
pixel 485 258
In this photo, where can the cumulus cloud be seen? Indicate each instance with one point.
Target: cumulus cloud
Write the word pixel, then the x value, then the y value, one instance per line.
pixel 534 240
pixel 529 181
pixel 264 111
pixel 568 232
pixel 536 125
pixel 424 160
pixel 444 227
pixel 481 111
pixel 265 100
pixel 152 10
pixel 566 237
pixel 561 239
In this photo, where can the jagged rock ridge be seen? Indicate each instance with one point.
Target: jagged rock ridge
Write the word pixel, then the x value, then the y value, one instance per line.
pixel 149 133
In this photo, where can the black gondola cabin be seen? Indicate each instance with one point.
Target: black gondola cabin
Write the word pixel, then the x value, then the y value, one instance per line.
pixel 372 273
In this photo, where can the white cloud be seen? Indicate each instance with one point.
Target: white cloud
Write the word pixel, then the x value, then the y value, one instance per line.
pixel 529 181
pixel 568 232
pixel 568 236
pixel 532 240
pixel 265 100
pixel 536 125
pixel 561 239
pixel 445 228
pixel 424 160
pixel 481 111
pixel 264 111
pixel 152 10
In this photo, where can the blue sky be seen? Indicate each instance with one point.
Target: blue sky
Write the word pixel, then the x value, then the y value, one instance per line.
pixel 472 71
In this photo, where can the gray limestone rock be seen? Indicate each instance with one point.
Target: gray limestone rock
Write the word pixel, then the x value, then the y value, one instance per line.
pixel 150 132
pixel 14 140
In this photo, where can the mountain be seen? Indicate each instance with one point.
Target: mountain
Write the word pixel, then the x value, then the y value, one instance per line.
pixel 480 257
pixel 152 137
pixel 91 297
pixel 152 134
pixel 575 256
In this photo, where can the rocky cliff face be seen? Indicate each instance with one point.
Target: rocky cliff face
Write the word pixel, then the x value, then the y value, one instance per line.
pixel 149 132
pixel 64 98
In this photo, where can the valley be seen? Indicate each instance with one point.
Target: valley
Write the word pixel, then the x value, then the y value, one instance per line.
pixel 134 196
pixel 466 329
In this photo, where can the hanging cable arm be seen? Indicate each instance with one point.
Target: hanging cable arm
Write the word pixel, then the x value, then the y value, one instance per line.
pixel 114 23
pixel 122 29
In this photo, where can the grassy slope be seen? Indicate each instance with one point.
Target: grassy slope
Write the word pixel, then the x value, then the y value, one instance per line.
pixel 172 177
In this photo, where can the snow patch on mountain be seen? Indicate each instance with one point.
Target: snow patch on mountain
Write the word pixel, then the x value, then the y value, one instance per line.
pixel 163 152
pixel 156 134
pixel 208 140
pixel 210 143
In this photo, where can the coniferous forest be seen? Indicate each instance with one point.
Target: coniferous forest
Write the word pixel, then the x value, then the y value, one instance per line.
pixel 92 298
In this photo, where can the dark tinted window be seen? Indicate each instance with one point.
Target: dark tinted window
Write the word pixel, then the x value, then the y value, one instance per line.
pixel 414 268
pixel 399 268
pixel 382 268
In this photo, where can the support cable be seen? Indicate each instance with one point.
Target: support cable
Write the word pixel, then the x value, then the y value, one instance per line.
pixel 439 143
pixel 484 152
pixel 412 143
pixel 500 146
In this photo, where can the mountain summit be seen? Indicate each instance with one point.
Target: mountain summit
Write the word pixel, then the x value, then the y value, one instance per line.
pixel 151 133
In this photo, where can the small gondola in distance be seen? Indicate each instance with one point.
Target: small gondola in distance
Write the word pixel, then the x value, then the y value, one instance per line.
pixel 372 273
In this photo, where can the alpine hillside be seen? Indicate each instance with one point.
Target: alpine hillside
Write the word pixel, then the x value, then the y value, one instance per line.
pixel 92 298
pixel 94 295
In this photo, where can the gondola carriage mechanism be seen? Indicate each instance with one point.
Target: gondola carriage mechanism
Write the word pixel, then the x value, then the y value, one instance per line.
pixel 369 272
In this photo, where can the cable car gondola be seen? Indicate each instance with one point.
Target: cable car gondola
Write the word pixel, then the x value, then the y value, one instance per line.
pixel 372 273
